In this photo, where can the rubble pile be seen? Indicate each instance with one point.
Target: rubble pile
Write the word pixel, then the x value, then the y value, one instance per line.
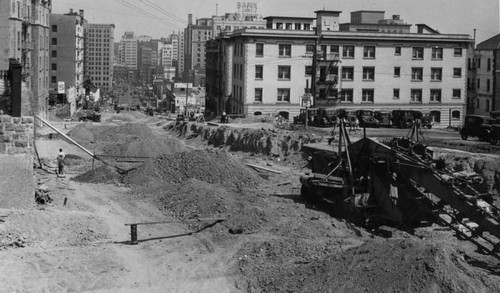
pixel 102 174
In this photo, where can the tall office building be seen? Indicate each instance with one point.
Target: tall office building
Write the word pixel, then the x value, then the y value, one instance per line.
pixel 99 55
pixel 67 52
pixel 195 35
pixel 129 47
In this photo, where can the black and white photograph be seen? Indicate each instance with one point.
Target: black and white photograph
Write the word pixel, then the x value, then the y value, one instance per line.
pixel 250 146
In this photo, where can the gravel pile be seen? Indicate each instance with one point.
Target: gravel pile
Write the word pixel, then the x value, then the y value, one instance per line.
pixel 210 166
pixel 102 174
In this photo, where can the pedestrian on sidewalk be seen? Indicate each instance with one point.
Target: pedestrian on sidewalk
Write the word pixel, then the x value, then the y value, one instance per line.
pixel 60 162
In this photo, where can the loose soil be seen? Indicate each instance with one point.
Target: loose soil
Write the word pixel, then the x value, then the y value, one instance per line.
pixel 269 241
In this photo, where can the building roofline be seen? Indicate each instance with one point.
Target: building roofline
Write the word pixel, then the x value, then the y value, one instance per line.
pixel 377 11
pixel 346 35
pixel 376 24
pixel 289 17
pixel 328 11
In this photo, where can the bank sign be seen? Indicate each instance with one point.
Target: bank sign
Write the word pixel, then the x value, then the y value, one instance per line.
pixel 247 7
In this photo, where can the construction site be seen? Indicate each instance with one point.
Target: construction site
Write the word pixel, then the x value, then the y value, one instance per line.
pixel 150 204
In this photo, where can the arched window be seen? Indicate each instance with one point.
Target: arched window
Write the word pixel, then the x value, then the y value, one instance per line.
pixel 257 113
pixel 436 116
pixel 455 114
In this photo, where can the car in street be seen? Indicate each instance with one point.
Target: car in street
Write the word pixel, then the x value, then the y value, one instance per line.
pixel 477 126
pixel 366 118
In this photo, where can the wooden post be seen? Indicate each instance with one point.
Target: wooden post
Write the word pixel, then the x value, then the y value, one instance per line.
pixel 133 234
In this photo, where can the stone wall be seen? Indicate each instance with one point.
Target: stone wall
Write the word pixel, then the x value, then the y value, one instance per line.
pixel 17 185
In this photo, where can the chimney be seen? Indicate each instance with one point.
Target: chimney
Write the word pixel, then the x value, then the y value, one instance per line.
pixel 71 11
pixel 190 19
pixel 81 14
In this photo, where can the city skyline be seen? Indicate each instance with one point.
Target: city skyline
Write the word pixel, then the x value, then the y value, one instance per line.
pixel 159 19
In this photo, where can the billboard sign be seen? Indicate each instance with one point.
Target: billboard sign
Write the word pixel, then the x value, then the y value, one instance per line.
pixel 61 87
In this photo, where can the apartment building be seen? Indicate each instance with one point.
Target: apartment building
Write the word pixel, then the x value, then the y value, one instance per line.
pixel 484 81
pixel 67 52
pixel 99 55
pixel 276 70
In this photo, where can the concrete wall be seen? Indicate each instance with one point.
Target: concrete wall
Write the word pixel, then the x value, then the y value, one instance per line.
pixel 17 185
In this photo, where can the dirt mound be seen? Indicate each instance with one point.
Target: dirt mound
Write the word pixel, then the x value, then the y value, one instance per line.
pixel 130 116
pixel 210 166
pixel 85 132
pixel 103 174
pixel 379 265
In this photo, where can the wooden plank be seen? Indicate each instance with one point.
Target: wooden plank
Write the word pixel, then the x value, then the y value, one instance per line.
pixel 176 221
pixel 263 168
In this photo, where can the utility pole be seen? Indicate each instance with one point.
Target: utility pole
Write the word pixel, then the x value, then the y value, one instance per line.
pixel 314 72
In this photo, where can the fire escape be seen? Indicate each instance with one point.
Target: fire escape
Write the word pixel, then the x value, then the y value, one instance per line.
pixel 326 75
pixel 26 47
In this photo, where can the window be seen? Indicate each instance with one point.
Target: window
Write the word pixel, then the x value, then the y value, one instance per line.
pixel 334 49
pixel 395 94
pixel 54 28
pixel 416 74
pixel 289 26
pixel 456 94
pixel 478 83
pixel 369 52
pixel 455 114
pixel 54 41
pixel 488 64
pixel 284 72
pixel 285 50
pixel 457 52
pixel 397 71
pixel 258 95
pixel 309 70
pixel 435 95
pixel 53 79
pixel 307 26
pixel 309 48
pixel 478 62
pixel 416 96
pixel 436 74
pixel 457 72
pixel 347 73
pixel 54 66
pixel 397 51
pixel 488 85
pixel 283 95
pixel 348 52
pixel 418 53
pixel 346 95
pixel 367 95
pixel 368 73
pixel 297 26
pixel 54 54
pixel 437 53
pixel 487 105
pixel 259 71
pixel 259 50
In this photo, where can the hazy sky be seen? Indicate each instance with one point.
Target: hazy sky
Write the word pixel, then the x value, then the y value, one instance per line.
pixel 158 18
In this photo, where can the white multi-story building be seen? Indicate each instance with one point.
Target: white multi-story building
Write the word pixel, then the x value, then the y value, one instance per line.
pixel 167 52
pixel 99 55
pixel 129 46
pixel 180 66
pixel 272 70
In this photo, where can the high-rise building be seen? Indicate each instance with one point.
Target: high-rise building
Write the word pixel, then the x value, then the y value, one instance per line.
pixel 67 52
pixel 99 55
pixel 129 47
pixel 195 37
pixel 180 65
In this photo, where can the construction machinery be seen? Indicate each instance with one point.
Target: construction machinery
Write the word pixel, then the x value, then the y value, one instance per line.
pixel 398 183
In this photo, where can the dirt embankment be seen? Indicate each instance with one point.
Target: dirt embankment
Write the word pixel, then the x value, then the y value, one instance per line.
pixel 280 143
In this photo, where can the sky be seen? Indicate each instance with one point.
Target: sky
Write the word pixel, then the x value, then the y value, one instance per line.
pixel 160 18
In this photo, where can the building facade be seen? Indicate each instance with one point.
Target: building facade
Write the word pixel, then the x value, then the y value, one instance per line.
pixel 67 51
pixel 25 42
pixel 275 70
pixel 195 37
pixel 99 55
pixel 484 82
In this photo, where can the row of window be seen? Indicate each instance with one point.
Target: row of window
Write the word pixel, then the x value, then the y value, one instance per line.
pixel 367 95
pixel 285 50
pixel 471 85
pixel 284 72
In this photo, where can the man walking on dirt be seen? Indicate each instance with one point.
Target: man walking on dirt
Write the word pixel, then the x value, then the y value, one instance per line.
pixel 60 162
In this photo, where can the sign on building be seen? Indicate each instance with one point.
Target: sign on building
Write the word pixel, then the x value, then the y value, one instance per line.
pixel 61 86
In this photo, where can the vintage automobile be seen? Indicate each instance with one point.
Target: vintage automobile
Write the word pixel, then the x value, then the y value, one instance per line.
pixel 384 118
pixel 366 118
pixel 477 126
pixel 310 113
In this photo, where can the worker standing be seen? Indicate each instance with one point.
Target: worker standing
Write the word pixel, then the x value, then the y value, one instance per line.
pixel 60 162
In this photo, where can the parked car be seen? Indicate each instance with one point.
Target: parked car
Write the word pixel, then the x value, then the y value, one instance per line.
pixel 366 118
pixel 403 118
pixel 384 118
pixel 309 112
pixel 495 133
pixel 326 117
pixel 477 126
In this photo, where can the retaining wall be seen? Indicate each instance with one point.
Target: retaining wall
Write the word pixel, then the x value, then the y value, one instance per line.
pixel 17 184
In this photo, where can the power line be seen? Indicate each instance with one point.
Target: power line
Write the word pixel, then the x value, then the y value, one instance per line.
pixel 154 6
pixel 146 13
